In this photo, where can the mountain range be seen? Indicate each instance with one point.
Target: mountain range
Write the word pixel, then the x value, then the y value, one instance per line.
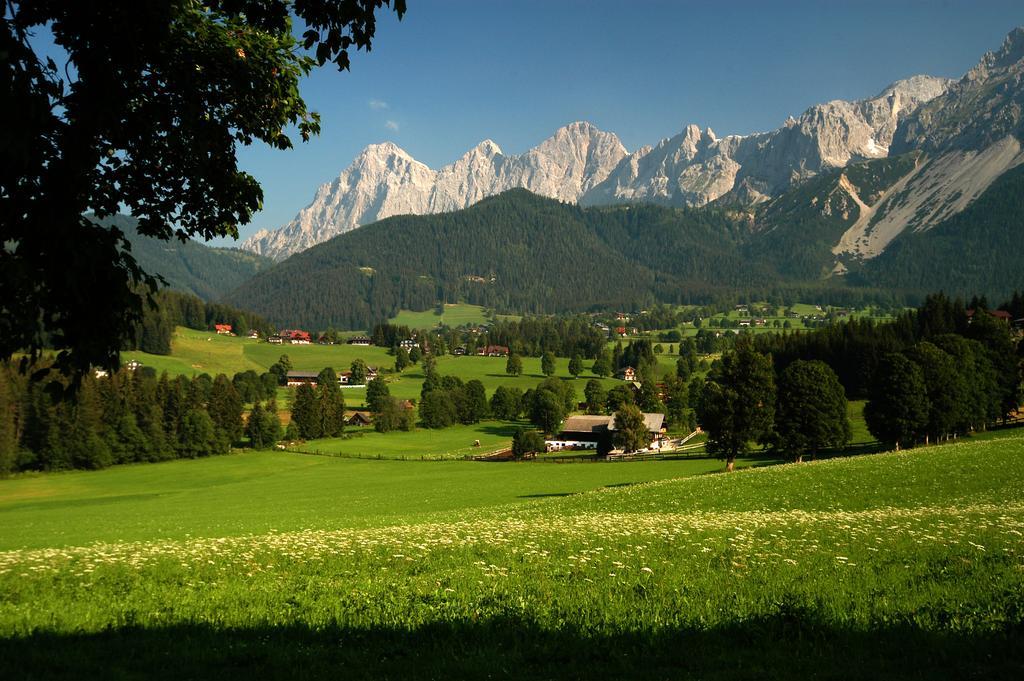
pixel 967 130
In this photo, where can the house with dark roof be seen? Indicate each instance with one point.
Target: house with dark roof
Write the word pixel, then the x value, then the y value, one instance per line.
pixel 358 418
pixel 296 378
pixel 595 432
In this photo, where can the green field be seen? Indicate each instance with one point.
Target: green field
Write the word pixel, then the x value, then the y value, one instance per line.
pixel 457 314
pixel 897 565
pixel 278 491
pixel 195 352
pixel 454 442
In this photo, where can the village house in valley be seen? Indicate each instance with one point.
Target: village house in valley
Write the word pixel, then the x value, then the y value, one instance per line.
pixel 626 374
pixel 296 378
pixel 595 432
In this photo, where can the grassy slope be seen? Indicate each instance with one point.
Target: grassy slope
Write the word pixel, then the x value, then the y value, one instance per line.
pixel 909 564
pixel 260 492
pixel 455 314
pixel 196 352
pixel 426 444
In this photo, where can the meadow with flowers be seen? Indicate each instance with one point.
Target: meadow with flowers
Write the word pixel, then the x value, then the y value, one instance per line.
pixel 895 565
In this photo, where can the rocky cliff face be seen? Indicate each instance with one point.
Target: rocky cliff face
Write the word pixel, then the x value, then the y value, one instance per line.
pixel 384 180
pixel 970 135
pixel 695 167
pixel 981 109
pixel 969 132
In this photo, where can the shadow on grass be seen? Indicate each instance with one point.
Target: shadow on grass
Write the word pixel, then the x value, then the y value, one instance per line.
pixel 544 496
pixel 781 647
pixel 503 429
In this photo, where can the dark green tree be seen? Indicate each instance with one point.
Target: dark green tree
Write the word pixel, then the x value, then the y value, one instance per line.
pixel 811 410
pixel 676 402
pixel 155 128
pixel 547 410
pixel 199 435
pixel 304 413
pixel 476 402
pixel 401 360
pixel 506 403
pixel 330 404
pixel 437 410
pixel 737 403
pixel 254 427
pixel 897 411
pixel 630 433
pixel 576 366
pixel 547 364
pixel 946 388
pixel 393 416
pixel 377 394
pixel 596 397
pixel 620 396
pixel 514 365
pixel 358 375
pixel 602 365
pixel 526 442
pixel 225 408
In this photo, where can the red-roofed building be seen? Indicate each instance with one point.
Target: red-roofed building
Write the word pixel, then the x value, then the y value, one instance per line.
pixel 295 336
pixel 223 329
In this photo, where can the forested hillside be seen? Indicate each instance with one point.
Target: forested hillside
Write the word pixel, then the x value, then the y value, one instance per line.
pixel 980 249
pixel 514 251
pixel 190 267
pixel 518 252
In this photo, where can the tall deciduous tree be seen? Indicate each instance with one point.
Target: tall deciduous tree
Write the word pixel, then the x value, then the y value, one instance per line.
pixel 358 372
pixel 547 410
pixel 402 359
pixel 153 127
pixel 596 397
pixel 526 442
pixel 897 412
pixel 514 365
pixel 630 432
pixel 811 409
pixel 947 391
pixel 576 366
pixel 547 364
pixel 377 394
pixel 476 402
pixel 737 403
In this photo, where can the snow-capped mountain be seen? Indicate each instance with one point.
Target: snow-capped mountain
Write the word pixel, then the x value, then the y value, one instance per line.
pixel 968 133
pixel 384 180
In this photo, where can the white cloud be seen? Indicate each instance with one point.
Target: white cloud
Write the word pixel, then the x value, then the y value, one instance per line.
pixel 378 104
pixel 391 125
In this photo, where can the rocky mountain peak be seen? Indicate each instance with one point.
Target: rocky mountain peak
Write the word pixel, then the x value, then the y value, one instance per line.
pixel 916 89
pixel 383 150
pixel 1011 51
pixel 384 180
pixel 487 148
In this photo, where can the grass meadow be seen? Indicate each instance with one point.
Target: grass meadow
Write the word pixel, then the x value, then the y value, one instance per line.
pixel 195 352
pixel 455 314
pixel 895 565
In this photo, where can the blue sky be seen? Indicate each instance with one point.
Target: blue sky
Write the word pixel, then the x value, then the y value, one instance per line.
pixel 455 72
